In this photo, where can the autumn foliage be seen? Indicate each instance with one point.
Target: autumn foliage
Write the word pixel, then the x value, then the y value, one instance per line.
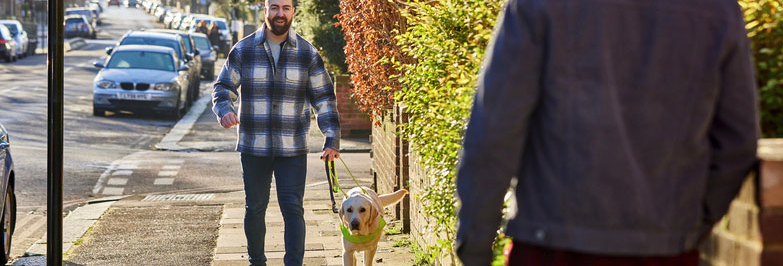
pixel 370 28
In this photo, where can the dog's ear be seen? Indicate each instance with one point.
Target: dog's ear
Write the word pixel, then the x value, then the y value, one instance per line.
pixel 373 215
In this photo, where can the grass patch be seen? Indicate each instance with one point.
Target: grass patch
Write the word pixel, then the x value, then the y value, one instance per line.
pixel 421 257
pixel 402 243
pixel 393 231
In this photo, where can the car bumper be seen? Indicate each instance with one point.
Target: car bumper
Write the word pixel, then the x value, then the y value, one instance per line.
pixel 207 67
pixel 144 101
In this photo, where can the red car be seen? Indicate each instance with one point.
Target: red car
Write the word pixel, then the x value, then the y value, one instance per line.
pixel 114 2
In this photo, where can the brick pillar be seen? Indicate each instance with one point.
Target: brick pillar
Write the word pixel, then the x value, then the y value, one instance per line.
pixel 751 233
pixel 353 121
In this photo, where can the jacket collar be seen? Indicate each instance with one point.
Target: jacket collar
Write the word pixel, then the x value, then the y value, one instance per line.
pixel 261 36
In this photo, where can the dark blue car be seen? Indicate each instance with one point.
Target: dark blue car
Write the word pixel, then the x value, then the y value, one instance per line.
pixel 8 201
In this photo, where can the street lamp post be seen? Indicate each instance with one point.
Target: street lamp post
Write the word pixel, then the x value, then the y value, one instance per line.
pixel 54 199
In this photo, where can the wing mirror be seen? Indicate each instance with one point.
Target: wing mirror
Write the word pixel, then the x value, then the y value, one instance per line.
pixel 98 64
pixel 109 50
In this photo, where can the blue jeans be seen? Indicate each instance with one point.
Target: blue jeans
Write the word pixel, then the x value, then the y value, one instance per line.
pixel 290 173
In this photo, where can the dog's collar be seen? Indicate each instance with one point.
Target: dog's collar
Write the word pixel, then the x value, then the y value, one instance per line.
pixel 361 239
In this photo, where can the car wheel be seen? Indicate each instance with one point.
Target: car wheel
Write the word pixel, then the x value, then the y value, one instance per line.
pixel 177 112
pixel 9 58
pixel 8 220
pixel 98 111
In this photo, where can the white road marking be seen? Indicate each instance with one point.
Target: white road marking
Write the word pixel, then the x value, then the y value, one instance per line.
pixel 176 161
pixel 117 181
pixel 183 126
pixel 164 181
pixel 171 167
pixel 128 167
pixel 122 172
pixel 113 190
pixel 167 173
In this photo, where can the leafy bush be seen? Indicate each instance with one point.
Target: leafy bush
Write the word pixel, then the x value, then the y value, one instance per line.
pixel 765 28
pixel 448 39
pixel 315 21
pixel 369 28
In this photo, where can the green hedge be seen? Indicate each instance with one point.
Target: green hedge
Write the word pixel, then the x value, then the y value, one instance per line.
pixel 448 39
pixel 765 28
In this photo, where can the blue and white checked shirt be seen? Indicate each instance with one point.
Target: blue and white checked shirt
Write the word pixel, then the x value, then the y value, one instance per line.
pixel 274 102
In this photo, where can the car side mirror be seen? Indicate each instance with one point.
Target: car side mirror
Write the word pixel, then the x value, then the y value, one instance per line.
pixel 98 64
pixel 184 68
pixel 188 57
pixel 196 52
pixel 109 50
pixel 215 47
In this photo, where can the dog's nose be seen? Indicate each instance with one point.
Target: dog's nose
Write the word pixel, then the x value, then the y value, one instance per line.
pixel 354 225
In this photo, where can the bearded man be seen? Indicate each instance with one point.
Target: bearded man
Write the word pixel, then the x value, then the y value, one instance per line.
pixel 277 76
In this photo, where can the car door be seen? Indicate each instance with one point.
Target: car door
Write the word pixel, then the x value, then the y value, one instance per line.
pixel 4 146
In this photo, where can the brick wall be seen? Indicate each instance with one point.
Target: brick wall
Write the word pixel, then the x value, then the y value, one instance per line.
pixel 353 122
pixel 389 161
pixel 418 219
pixel 751 233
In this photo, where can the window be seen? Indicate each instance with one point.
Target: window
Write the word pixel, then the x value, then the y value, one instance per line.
pixel 202 43
pixel 141 60
pixel 153 41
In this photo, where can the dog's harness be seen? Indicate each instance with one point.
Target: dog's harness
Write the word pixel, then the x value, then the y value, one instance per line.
pixel 362 239
pixel 331 175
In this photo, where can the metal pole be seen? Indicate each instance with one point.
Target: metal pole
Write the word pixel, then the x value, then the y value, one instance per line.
pixel 54 225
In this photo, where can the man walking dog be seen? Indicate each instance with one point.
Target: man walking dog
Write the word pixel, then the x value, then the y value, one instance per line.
pixel 277 76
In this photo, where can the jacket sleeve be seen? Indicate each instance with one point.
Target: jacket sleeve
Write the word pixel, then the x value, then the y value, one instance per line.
pixel 735 127
pixel 322 97
pixel 227 82
pixel 506 97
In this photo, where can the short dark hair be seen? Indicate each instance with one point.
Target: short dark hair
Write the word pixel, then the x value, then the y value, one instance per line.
pixel 292 1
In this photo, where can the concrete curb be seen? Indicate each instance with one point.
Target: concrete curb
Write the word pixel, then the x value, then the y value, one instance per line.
pixel 169 142
pixel 74 44
pixel 76 224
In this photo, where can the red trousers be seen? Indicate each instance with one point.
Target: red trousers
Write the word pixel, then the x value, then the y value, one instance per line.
pixel 527 255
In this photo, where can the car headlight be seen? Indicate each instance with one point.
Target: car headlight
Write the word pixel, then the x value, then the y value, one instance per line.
pixel 164 87
pixel 107 84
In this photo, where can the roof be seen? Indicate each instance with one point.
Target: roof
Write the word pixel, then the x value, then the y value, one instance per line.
pixel 198 34
pixel 158 35
pixel 146 48
pixel 166 31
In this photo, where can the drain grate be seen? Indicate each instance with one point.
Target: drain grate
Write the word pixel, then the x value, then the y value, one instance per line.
pixel 179 197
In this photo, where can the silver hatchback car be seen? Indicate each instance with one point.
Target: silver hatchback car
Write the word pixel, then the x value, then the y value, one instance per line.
pixel 141 78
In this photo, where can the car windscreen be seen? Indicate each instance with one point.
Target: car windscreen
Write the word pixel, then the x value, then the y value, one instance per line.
pixel 187 43
pixel 74 21
pixel 221 24
pixel 141 60
pixel 79 12
pixel 153 41
pixel 12 27
pixel 202 43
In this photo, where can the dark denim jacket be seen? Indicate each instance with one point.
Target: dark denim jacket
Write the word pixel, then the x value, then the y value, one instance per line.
pixel 630 125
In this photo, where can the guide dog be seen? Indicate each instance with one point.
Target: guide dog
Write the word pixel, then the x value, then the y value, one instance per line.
pixel 362 222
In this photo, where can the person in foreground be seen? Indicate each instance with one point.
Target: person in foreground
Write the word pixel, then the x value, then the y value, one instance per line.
pixel 278 76
pixel 629 127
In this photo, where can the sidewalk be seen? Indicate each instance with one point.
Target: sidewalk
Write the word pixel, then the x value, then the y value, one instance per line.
pixel 206 227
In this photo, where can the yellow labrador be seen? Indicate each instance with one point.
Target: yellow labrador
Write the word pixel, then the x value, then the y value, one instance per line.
pixel 362 222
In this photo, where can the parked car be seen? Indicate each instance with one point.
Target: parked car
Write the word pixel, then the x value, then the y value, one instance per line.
pixel 78 26
pixel 19 35
pixel 174 41
pixel 8 216
pixel 114 3
pixel 7 45
pixel 130 3
pixel 208 54
pixel 170 16
pixel 178 21
pixel 96 4
pixel 141 78
pixel 91 16
pixel 194 53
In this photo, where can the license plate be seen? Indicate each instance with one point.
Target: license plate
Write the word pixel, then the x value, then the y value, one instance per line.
pixel 133 96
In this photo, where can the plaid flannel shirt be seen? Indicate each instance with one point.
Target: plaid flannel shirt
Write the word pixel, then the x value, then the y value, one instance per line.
pixel 274 102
